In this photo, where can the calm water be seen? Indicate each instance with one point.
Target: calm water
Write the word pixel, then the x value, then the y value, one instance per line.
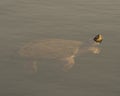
pixel 23 21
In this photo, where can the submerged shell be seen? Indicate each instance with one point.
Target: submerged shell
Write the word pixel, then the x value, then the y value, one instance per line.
pixel 50 48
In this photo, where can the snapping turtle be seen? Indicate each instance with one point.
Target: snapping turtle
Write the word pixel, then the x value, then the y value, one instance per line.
pixel 59 49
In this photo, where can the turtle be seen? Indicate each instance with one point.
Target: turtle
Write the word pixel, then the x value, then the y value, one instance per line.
pixel 59 49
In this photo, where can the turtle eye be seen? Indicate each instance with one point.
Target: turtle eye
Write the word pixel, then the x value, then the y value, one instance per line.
pixel 98 38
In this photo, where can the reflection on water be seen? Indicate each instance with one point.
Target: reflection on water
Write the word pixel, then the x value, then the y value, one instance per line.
pixel 23 21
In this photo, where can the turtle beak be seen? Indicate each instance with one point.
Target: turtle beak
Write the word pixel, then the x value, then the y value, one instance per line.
pixel 98 38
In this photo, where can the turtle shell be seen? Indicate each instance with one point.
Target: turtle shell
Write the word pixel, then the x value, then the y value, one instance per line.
pixel 50 48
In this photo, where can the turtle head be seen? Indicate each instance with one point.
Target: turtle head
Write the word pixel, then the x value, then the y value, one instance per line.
pixel 97 40
pixel 92 45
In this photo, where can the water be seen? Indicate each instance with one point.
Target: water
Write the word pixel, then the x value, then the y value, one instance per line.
pixel 22 21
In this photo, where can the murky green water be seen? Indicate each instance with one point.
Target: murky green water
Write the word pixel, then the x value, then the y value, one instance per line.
pixel 23 21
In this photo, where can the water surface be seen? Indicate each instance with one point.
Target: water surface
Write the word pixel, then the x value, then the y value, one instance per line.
pixel 23 21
